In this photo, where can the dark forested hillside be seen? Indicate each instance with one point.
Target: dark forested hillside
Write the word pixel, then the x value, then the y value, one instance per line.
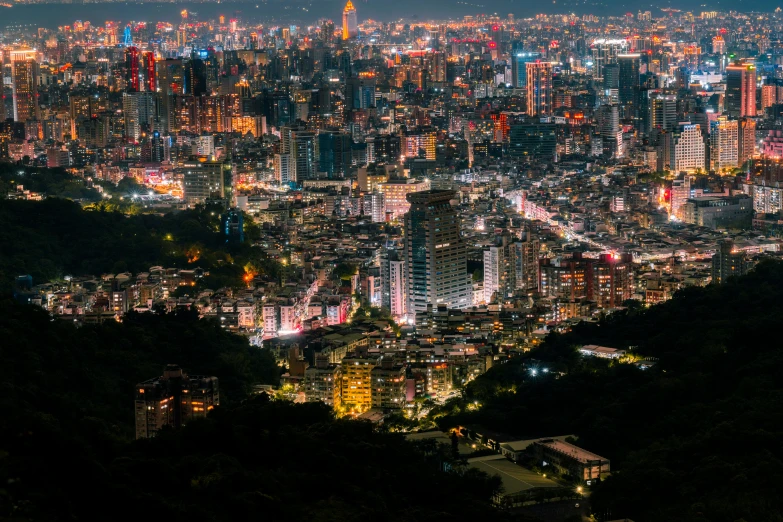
pixel 696 437
pixel 55 237
pixel 66 454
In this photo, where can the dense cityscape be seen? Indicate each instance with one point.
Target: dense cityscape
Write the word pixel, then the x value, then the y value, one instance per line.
pixel 527 264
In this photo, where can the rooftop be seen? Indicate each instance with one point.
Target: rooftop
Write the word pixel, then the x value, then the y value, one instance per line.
pixel 575 452
pixel 515 478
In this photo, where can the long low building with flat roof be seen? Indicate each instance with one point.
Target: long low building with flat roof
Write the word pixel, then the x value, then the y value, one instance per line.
pixel 601 351
pixel 570 460
pixel 521 486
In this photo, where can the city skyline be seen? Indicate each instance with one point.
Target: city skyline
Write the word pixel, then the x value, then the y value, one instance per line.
pixel 310 260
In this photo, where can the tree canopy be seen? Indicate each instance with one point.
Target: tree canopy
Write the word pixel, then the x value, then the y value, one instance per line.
pixel 55 237
pixel 694 437
pixel 65 452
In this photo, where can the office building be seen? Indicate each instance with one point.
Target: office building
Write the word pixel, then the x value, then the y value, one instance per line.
pixel 740 90
pixel 533 140
pixel 299 144
pixel 195 77
pixel 519 63
pixel 139 112
pixel 662 113
pixel 718 45
pixel 494 273
pixel 174 399
pixel 284 171
pixel 395 195
pixel 435 255
pixel 608 119
pixel 628 88
pixel 149 71
pixel 735 212
pixel 393 283
pixel 570 460
pixel 724 144
pixel 24 78
pixel 334 153
pixel 132 69
pixel 204 180
pixel 611 82
pixel 539 88
pixel 687 148
pixel 746 140
pixel 360 92
pixel 419 145
pixel 605 52
pixel 350 23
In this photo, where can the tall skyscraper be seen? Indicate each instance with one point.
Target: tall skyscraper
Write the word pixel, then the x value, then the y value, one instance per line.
pixel 628 91
pixel 393 282
pixel 519 61
pixel 24 75
pixel 687 148
pixel 524 261
pixel 350 24
pixel 334 153
pixel 283 170
pixel 360 92
pixel 132 70
pixel 173 399
pixel 741 90
pixel 605 52
pixel 139 112
pixel 299 144
pixel 746 140
pixel 609 129
pixel 662 113
pixel 170 76
pixel 150 74
pixel 539 88
pixel 494 273
pixel 611 82
pixel 196 77
pixel 724 144
pixel 435 254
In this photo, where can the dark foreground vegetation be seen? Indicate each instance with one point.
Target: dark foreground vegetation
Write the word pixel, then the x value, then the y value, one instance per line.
pixel 699 436
pixel 66 451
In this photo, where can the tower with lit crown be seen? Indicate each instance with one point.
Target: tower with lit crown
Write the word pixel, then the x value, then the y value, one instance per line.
pixel 24 76
pixel 350 25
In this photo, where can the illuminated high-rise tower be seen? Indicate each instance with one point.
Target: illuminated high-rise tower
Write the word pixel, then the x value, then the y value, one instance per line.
pixel 741 90
pixel 24 72
pixel 150 74
pixel 132 56
pixel 539 88
pixel 519 69
pixel 350 25
pixel 435 253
